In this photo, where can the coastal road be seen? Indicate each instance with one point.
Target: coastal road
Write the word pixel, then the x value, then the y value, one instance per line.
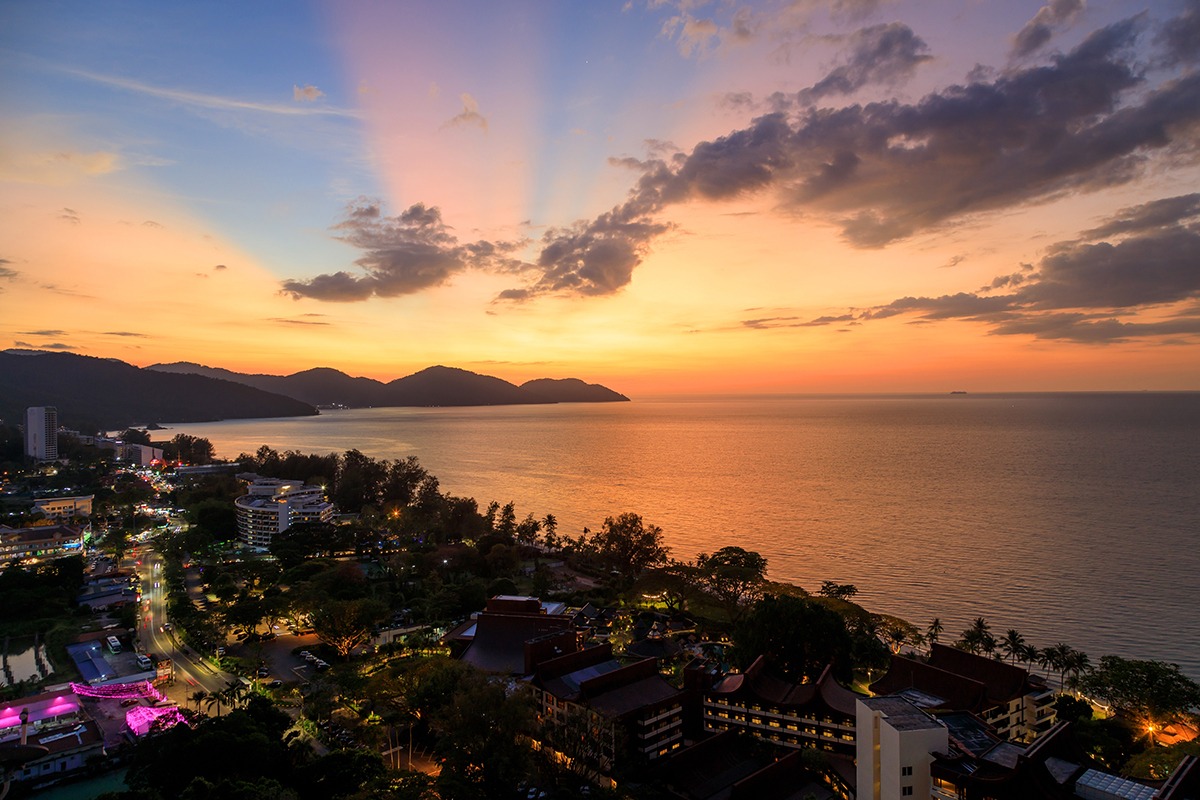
pixel 192 672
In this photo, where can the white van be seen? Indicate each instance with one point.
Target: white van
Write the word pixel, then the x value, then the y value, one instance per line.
pixel 144 662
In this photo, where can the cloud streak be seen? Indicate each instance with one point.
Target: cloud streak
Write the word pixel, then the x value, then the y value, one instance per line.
pixel 1089 290
pixel 210 101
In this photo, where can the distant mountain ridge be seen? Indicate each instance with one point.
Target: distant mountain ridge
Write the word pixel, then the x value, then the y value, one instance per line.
pixel 104 393
pixel 433 386
pixel 107 394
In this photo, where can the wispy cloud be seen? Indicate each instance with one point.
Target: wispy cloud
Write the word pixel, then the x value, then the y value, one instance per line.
pixel 1054 16
pixel 881 54
pixel 212 101
pixel 306 94
pixel 469 116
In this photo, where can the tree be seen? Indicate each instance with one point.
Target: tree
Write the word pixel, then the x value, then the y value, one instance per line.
pixel 480 734
pixel 1012 643
pixel 629 545
pixel 837 591
pixel 734 575
pixel 1155 691
pixel 934 631
pixel 1157 763
pixel 347 624
pixel 799 637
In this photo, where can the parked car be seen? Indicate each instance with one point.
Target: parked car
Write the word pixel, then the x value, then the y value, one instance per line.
pixel 275 684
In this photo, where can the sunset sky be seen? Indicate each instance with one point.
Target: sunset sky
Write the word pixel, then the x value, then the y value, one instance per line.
pixel 664 197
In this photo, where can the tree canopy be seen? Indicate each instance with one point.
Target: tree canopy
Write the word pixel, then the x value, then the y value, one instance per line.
pixel 799 637
pixel 1154 690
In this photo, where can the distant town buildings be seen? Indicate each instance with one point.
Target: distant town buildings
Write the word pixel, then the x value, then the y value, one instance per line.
pixel 65 507
pixel 41 543
pixel 272 505
pixel 41 433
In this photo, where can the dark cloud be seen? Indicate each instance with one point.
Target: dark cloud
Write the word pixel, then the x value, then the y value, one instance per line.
pixel 1087 290
pixel 881 54
pixel 767 323
pixel 42 333
pixel 152 224
pixel 1051 17
pixel 5 272
pixel 127 334
pixel 407 253
pixel 1157 214
pixel 889 170
pixel 69 215
pixel 1151 269
pixel 1079 328
pixel 885 171
pixel 596 258
pixel 219 267
pixel 1180 37
pixel 51 346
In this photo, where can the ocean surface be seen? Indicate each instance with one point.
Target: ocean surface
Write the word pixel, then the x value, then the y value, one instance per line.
pixel 1071 517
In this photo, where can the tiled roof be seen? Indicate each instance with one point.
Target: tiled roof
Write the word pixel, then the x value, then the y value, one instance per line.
pixel 758 682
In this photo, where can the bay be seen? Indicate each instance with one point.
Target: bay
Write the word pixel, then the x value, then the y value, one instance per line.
pixel 1071 517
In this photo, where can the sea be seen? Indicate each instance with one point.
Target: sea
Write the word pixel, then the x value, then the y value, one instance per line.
pixel 1072 518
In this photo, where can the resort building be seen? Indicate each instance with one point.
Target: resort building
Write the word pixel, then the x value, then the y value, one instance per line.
pixel 272 505
pixel 1018 704
pixel 818 713
pixel 512 634
pixel 65 507
pixel 595 712
pixel 896 746
pixel 41 543
pixel 41 433
pixel 905 751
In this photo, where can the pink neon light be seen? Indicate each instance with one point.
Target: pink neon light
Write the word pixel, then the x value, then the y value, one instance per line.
pixel 141 718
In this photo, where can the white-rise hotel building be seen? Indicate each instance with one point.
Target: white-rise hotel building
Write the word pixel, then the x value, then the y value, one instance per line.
pixel 41 433
pixel 272 505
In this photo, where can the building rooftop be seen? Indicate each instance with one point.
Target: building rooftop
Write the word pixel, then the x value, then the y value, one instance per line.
pixel 901 714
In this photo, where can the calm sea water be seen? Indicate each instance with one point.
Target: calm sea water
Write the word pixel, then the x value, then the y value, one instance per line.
pixel 1070 517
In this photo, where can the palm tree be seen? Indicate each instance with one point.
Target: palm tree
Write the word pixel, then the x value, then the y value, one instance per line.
pixel 1057 657
pixel 1077 662
pixel 1011 643
pixel 197 697
pixel 1029 655
pixel 934 631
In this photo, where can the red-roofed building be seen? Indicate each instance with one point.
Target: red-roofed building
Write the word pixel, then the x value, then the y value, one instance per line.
pixel 1018 704
pixel 818 713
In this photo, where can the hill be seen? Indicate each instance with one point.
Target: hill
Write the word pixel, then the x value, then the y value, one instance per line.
pixel 434 386
pixel 573 390
pixel 106 394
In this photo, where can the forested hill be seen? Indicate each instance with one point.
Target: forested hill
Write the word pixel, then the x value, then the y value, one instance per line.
pixel 106 394
pixel 434 386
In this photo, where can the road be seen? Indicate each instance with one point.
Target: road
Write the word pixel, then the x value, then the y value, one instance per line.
pixel 192 673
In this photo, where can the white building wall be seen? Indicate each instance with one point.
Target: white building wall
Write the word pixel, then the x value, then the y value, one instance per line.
pixel 41 433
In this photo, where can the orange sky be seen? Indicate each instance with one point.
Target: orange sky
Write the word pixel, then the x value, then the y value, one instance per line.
pixel 663 198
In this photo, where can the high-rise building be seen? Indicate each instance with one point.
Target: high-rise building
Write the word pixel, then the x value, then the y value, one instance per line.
pixel 272 505
pixel 41 433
